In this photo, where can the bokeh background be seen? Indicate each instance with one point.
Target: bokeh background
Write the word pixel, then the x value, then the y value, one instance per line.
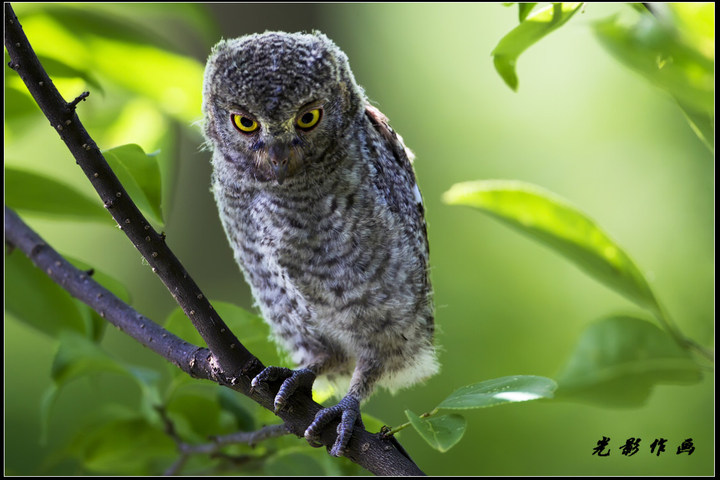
pixel 581 125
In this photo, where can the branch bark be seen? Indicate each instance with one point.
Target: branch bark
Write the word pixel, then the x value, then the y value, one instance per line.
pixel 227 361
pixel 230 353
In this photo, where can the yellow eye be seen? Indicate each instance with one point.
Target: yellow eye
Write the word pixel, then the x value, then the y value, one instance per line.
pixel 245 124
pixel 309 119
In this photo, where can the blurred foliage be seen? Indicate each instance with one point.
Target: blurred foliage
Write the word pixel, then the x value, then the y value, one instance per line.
pixel 140 64
pixel 671 45
pixel 143 89
pixel 628 355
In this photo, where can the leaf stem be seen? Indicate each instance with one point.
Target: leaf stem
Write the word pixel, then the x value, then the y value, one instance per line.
pixel 687 343
pixel 393 431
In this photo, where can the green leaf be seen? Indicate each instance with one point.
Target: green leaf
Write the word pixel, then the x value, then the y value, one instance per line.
pixel 230 401
pixel 123 446
pixel 173 82
pixel 34 299
pixel 530 31
pixel 703 124
pixel 33 192
pixel 498 391
pixel 551 220
pixel 619 360
pixel 675 52
pixel 524 10
pixel 77 356
pixel 140 175
pixel 178 28
pixel 291 463
pixel 200 413
pixel 119 44
pixel 441 433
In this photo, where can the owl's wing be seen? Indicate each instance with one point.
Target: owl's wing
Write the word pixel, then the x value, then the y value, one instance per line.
pixel 395 141
pixel 404 157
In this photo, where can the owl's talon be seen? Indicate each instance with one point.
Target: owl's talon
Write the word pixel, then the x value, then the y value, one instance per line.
pixel 349 412
pixel 297 379
pixel 293 379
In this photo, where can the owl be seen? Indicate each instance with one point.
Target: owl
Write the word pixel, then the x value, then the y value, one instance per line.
pixel 319 202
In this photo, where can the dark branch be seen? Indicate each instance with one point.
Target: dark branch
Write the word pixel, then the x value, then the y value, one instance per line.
pixel 230 364
pixel 377 453
pixel 230 353
pixel 78 283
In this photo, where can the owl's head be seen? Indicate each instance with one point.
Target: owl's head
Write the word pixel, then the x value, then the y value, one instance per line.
pixel 275 102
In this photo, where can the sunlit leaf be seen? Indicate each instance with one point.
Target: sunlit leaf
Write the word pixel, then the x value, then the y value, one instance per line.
pixel 33 192
pixel 139 173
pixel 530 31
pixel 619 360
pixel 659 55
pixel 498 391
pixel 524 10
pixel 442 432
pixel 111 42
pixel 172 81
pixel 677 56
pixel 551 220
pixel 178 27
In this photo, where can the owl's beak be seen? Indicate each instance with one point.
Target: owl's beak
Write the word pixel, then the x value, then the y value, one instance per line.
pixel 279 158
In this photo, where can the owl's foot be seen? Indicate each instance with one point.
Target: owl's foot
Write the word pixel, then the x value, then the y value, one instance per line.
pixel 349 412
pixel 294 379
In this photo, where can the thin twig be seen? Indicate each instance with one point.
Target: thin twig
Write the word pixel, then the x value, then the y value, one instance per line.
pixel 216 442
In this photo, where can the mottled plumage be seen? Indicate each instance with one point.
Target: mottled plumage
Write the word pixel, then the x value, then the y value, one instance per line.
pixel 319 202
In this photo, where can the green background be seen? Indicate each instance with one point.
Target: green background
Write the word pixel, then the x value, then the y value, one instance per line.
pixel 581 125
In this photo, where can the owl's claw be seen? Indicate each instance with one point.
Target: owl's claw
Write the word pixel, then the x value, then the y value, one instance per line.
pixel 348 409
pixel 349 412
pixel 293 379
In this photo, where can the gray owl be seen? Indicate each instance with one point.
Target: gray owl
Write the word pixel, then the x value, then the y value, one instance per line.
pixel 319 202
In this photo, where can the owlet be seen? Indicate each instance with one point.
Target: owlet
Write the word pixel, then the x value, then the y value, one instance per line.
pixel 319 202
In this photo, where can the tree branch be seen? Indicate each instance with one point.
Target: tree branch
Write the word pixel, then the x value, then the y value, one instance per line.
pixel 230 363
pixel 190 358
pixel 230 353
pixel 378 453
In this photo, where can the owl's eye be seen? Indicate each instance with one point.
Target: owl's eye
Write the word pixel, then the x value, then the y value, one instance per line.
pixel 245 124
pixel 309 119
